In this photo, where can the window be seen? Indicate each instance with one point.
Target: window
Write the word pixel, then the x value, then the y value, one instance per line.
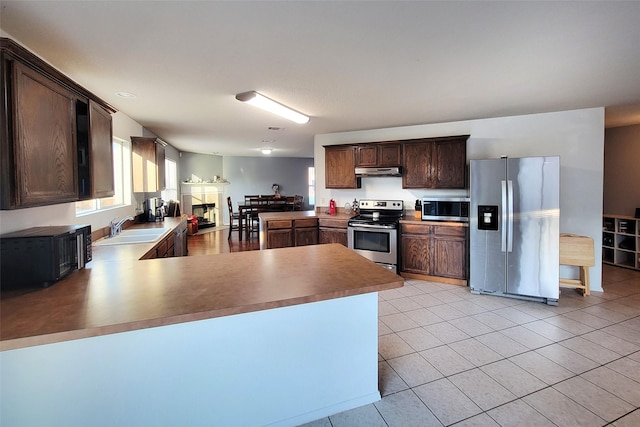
pixel 121 181
pixel 170 180
pixel 312 186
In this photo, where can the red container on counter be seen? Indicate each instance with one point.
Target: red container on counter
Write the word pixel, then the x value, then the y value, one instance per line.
pixel 332 207
pixel 192 224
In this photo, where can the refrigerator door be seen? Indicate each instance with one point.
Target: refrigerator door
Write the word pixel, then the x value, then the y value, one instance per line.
pixel 487 265
pixel 533 226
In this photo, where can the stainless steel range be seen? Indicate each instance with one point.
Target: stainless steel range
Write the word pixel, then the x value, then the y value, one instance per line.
pixel 374 233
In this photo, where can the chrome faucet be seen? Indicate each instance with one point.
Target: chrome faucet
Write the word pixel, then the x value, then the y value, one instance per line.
pixel 115 226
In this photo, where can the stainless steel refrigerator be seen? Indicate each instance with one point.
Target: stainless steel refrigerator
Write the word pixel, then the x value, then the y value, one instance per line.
pixel 514 222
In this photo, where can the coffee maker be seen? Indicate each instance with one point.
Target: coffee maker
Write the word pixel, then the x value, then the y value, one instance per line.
pixel 154 209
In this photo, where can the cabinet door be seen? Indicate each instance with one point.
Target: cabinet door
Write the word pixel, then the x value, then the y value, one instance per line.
pixel 44 149
pixel 306 236
pixel 160 183
pixel 332 235
pixel 340 163
pixel 366 155
pixel 416 254
pixel 389 155
pixel 379 154
pixel 101 151
pixel 145 164
pixel 282 238
pixel 417 163
pixel 450 257
pixel 449 158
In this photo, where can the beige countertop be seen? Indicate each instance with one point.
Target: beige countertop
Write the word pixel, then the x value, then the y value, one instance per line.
pixel 269 216
pixel 412 220
pixel 117 292
pixel 407 219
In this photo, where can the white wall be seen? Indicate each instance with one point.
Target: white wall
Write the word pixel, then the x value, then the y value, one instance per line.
pixel 65 214
pixel 576 136
pixel 621 171
pixel 256 175
pixel 279 367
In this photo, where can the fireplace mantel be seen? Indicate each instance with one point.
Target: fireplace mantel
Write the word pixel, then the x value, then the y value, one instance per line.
pixel 197 193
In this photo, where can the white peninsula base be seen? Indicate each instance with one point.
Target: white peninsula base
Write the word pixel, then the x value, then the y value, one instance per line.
pixel 277 367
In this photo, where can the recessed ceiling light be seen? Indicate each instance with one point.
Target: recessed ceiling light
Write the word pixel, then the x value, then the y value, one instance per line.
pixel 125 94
pixel 266 150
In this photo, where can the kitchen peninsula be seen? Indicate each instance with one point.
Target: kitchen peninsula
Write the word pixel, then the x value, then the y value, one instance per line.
pixel 276 337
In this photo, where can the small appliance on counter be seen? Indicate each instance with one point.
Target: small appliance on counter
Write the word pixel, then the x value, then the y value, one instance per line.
pixel 332 207
pixel 43 255
pixel 154 209
pixel 445 209
pixel 418 209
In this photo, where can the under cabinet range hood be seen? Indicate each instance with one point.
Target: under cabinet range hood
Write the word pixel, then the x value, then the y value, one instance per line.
pixel 378 171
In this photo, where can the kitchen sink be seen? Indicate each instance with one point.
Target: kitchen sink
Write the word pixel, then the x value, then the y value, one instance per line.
pixel 142 231
pixel 139 235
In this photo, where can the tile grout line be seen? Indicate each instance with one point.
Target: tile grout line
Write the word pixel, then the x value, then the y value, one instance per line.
pixel 506 358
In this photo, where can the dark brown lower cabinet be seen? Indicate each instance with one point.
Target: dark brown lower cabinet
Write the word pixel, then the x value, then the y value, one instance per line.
pixel 449 257
pixel 166 248
pixel 306 236
pixel 416 248
pixel 435 252
pixel 280 238
pixel 293 232
pixel 332 230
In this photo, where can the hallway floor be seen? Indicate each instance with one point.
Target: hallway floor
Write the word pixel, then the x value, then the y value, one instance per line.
pixel 448 357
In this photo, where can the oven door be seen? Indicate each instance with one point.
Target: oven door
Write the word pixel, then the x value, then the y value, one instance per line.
pixel 375 242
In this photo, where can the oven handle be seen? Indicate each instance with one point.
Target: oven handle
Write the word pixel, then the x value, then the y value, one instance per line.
pixel 388 227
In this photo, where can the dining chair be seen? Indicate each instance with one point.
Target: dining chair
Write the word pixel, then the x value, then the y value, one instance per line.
pixel 251 199
pixel 288 204
pixel 233 217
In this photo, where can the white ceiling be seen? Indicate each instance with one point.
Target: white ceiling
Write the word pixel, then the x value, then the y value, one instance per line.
pixel 349 65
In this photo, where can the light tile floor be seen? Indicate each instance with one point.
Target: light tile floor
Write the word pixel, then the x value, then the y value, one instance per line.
pixel 448 357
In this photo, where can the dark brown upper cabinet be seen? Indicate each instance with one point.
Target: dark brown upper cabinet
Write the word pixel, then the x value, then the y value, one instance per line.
pixel 382 154
pixel 340 161
pixel 39 136
pixel 95 151
pixel 39 143
pixel 148 164
pixel 435 162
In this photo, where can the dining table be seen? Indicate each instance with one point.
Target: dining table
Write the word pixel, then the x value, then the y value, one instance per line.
pixel 258 205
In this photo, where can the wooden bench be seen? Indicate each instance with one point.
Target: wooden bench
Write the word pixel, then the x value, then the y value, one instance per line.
pixel 577 251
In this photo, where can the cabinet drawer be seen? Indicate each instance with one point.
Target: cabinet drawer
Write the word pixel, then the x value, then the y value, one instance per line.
pixel 279 224
pixel 333 223
pixel 443 230
pixel 311 222
pixel 416 229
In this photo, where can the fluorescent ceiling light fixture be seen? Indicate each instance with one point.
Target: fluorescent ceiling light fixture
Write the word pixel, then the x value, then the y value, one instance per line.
pixel 260 101
pixel 126 94
pixel 266 150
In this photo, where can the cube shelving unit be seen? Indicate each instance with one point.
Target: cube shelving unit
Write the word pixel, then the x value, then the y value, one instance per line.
pixel 621 241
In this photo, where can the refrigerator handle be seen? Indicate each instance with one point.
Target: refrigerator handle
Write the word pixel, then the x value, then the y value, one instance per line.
pixel 510 197
pixel 504 216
